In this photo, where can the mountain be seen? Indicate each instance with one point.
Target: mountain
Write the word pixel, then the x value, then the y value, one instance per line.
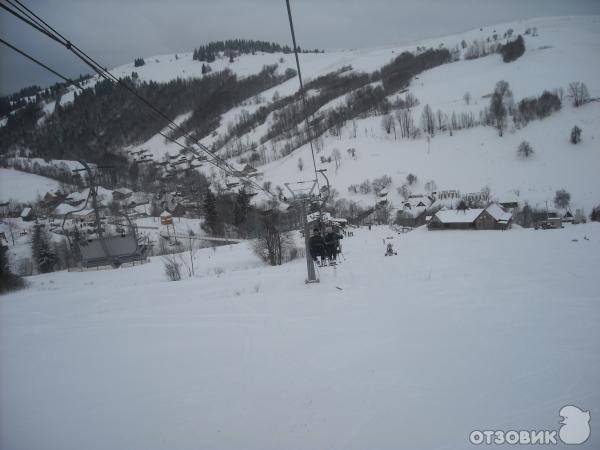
pixel 257 119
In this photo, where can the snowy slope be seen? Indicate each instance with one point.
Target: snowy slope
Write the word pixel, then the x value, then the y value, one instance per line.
pixel 24 187
pixel 456 333
pixel 565 49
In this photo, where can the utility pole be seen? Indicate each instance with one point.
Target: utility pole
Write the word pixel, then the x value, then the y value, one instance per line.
pixel 301 199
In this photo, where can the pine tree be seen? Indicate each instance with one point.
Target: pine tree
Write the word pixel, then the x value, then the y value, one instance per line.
pixel 210 212
pixel 42 252
pixel 241 208
pixel 575 135
pixel 8 280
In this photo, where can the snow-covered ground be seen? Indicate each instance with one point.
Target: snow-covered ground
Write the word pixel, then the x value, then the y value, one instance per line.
pixel 461 331
pixel 24 187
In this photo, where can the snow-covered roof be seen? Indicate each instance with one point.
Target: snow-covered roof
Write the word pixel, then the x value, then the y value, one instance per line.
pixel 83 213
pixel 458 216
pixel 165 214
pixel 25 212
pixel 64 208
pixel 123 191
pixel 498 213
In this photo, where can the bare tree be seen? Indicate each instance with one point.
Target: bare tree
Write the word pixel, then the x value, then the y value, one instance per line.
pixel 411 179
pixel 404 192
pixel 387 123
pixel 467 98
pixel 190 244
pixel 406 122
pixel 271 242
pixel 562 199
pixel 11 229
pixel 428 120
pixel 578 93
pixel 337 157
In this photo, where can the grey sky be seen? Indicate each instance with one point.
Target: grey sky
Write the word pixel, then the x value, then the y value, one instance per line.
pixel 115 32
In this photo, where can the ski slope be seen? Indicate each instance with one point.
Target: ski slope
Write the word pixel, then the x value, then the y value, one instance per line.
pixel 565 49
pixel 460 331
pixel 24 187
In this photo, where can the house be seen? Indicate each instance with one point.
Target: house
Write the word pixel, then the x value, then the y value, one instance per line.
pixel 76 198
pixel 86 215
pixel 122 194
pixel 52 198
pixel 166 218
pixel 491 218
pixel 502 217
pixel 414 210
pixel 27 214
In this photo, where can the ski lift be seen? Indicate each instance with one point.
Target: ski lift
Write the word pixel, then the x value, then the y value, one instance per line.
pixel 105 250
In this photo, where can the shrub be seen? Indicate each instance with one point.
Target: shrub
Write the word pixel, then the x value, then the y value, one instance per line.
pixel 525 150
pixel 8 280
pixel 379 184
pixel 513 50
pixel 575 135
pixel 562 199
pixel 172 266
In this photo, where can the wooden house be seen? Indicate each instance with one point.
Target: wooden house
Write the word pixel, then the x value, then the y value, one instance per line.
pixel 491 218
pixel 166 218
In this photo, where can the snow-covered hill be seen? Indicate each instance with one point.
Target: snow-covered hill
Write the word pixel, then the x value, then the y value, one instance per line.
pixel 456 333
pixel 24 187
pixel 562 50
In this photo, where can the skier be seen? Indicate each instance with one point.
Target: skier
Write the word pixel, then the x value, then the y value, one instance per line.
pixel 390 250
pixel 316 245
pixel 332 244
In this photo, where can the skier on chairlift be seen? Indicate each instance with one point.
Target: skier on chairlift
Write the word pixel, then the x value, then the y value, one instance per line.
pixel 332 244
pixel 316 245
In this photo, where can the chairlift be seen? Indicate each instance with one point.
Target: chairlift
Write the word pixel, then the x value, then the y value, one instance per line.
pixel 105 250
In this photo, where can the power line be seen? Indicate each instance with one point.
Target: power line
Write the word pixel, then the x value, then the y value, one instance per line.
pixel 307 125
pixel 39 24
pixel 39 63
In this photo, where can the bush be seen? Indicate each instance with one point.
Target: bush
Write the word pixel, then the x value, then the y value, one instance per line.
pixel 381 183
pixel 575 135
pixel 525 150
pixel 562 199
pixel 513 50
pixel 8 280
pixel 172 266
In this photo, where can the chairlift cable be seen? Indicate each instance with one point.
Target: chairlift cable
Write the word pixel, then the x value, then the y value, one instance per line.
pixel 39 24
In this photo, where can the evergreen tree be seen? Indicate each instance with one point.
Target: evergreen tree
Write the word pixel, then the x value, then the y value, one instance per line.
pixel 241 208
pixel 8 280
pixel 211 217
pixel 513 50
pixel 575 135
pixel 42 252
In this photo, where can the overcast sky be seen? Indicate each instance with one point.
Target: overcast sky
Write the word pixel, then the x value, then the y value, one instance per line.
pixel 114 32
